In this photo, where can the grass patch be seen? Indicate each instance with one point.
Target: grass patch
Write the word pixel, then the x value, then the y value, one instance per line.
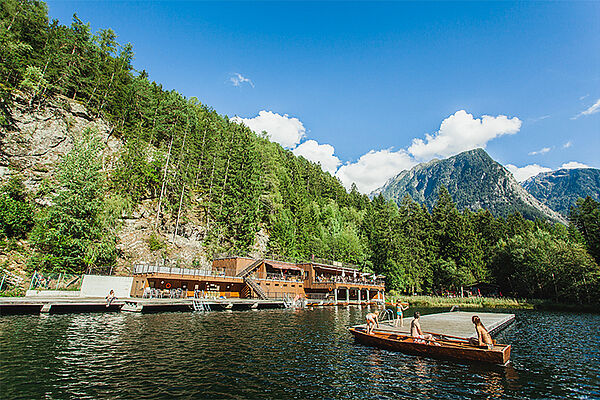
pixel 491 302
pixel 465 302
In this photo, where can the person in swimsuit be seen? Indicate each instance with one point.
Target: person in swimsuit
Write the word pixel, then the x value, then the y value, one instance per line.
pixel 400 308
pixel 484 339
pixel 372 320
pixel 416 332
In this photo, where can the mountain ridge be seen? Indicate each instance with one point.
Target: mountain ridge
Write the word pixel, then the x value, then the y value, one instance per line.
pixel 474 180
pixel 560 189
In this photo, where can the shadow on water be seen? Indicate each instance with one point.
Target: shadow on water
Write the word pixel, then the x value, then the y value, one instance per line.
pixel 279 354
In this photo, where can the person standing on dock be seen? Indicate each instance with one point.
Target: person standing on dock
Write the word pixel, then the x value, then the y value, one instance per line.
pixel 483 336
pixel 415 329
pixel 400 308
pixel 372 320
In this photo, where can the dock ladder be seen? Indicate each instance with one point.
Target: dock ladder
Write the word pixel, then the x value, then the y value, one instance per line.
pixel 199 304
pixel 386 316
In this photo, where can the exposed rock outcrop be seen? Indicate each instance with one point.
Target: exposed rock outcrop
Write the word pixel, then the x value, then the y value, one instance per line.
pixel 38 136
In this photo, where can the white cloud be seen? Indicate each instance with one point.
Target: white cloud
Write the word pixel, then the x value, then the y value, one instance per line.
pixel 319 153
pixel 567 145
pixel 543 117
pixel 373 169
pixel 283 129
pixel 238 79
pixel 543 150
pixel 526 172
pixel 573 165
pixel 460 132
pixel 593 109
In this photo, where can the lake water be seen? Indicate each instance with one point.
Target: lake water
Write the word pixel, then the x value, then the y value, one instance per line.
pixel 280 354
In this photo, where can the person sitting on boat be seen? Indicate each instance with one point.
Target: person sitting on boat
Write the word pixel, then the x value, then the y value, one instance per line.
pixel 416 332
pixel 400 308
pixel 372 320
pixel 483 336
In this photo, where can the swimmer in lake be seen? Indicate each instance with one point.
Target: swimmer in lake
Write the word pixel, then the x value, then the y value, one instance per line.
pixel 372 320
pixel 484 339
pixel 415 330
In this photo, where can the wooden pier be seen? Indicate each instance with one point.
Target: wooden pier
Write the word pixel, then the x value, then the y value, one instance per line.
pixel 457 323
pixel 66 305
pixel 164 305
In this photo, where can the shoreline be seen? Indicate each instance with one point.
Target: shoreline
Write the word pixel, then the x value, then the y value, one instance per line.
pixel 491 303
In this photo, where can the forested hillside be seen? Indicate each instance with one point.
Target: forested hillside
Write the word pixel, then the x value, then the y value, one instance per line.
pixel 188 171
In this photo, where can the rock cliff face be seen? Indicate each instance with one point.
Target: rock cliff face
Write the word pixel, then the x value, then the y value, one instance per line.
pixel 560 189
pixel 33 144
pixel 474 180
pixel 32 147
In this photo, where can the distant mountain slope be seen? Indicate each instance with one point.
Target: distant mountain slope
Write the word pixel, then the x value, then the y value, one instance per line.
pixel 474 180
pixel 560 189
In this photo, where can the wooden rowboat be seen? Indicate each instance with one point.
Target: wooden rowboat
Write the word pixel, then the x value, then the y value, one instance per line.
pixel 455 349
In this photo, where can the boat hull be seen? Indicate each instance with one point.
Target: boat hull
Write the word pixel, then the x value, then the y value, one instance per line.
pixel 447 349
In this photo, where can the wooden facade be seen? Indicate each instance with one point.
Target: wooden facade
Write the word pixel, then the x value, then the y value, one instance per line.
pixel 245 277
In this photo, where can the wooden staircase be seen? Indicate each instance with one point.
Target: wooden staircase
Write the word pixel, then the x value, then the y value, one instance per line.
pixel 256 288
pixel 250 268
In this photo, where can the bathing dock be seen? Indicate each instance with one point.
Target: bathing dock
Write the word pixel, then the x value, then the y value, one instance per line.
pixel 65 305
pixel 456 323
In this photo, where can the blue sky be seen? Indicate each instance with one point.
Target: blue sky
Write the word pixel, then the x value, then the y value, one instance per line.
pixel 352 85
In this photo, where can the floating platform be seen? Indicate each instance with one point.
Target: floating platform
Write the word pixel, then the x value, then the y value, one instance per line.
pixel 68 305
pixel 456 323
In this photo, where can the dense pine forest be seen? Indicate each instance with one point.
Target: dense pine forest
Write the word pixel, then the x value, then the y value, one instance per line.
pixel 195 165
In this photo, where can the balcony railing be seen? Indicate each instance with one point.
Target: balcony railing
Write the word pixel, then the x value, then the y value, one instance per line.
pixel 162 269
pixel 347 280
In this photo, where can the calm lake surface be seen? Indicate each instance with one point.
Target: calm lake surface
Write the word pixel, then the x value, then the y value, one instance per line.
pixel 280 354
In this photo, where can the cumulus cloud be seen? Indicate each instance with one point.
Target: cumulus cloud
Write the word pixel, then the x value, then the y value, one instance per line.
pixel 526 172
pixel 319 153
pixel 460 132
pixel 573 165
pixel 567 145
pixel 593 109
pixel 543 150
pixel 238 79
pixel 283 129
pixel 373 169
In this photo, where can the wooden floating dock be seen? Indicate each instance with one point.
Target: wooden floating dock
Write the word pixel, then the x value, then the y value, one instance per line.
pixel 67 305
pixel 457 323
pixel 163 305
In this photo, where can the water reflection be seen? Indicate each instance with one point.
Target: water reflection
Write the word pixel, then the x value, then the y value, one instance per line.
pixel 302 354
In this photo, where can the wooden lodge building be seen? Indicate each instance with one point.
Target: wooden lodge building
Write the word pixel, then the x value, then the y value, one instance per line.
pixel 242 277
